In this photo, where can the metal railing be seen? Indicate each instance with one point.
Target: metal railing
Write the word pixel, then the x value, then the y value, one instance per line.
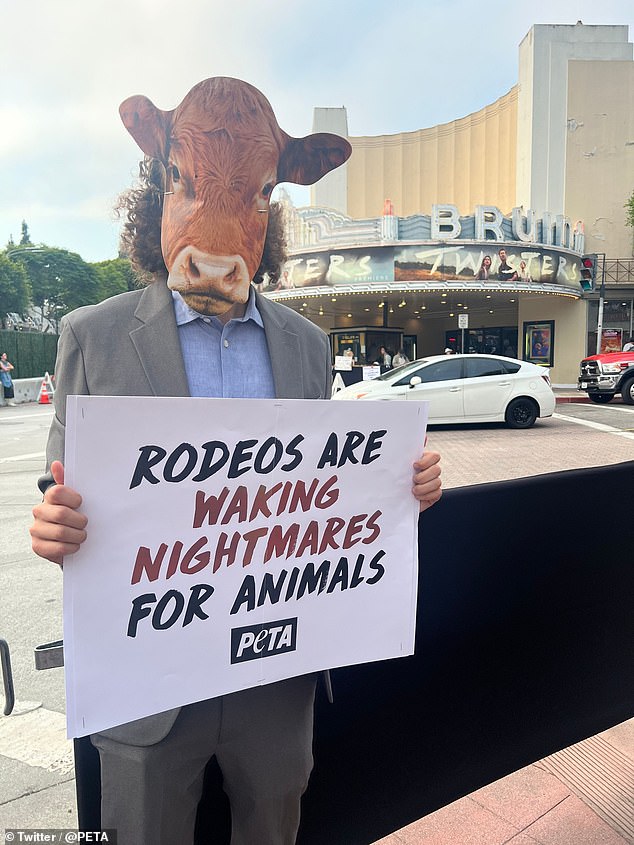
pixel 619 271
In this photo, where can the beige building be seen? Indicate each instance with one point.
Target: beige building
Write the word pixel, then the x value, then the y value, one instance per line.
pixel 559 145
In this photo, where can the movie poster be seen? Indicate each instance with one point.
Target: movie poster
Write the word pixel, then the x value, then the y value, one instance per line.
pixel 538 342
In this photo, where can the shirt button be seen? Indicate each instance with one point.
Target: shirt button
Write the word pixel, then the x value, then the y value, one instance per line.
pixel 206 320
pixel 226 343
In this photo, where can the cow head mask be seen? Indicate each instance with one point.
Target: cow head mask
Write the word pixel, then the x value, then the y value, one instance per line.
pixel 223 153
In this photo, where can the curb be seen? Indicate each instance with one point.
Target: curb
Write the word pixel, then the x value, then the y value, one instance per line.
pixel 583 397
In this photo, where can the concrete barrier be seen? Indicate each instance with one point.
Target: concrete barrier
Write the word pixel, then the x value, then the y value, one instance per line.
pixel 25 390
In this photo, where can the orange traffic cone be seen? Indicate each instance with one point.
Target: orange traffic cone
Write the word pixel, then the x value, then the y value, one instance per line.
pixel 43 398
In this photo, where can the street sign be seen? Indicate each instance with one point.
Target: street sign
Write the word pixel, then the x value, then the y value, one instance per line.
pixel 463 321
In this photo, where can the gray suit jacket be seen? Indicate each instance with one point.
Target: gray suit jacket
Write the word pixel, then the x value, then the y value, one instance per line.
pixel 128 346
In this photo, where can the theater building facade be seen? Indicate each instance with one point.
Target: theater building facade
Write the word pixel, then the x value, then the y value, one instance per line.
pixel 471 234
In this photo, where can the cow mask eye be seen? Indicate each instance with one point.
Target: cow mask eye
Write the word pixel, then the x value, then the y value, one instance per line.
pixel 176 176
pixel 267 189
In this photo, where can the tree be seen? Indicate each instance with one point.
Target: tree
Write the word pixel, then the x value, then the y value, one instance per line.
pixel 14 289
pixel 60 280
pixel 115 276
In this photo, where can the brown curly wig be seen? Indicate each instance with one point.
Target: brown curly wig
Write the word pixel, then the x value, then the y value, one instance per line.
pixel 141 208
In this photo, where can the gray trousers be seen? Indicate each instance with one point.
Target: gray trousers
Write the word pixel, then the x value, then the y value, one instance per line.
pixel 262 739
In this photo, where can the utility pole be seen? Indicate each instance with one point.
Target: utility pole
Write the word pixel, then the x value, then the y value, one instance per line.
pixel 601 256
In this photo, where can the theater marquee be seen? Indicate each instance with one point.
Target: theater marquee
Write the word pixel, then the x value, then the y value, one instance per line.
pixel 476 264
pixel 482 251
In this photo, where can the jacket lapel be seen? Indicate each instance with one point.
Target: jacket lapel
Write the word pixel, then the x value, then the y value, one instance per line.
pixel 284 351
pixel 157 344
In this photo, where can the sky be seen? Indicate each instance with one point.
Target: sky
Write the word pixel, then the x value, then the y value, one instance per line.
pixel 66 65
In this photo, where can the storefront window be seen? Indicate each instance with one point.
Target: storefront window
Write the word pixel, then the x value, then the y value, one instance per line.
pixel 495 340
pixel 617 316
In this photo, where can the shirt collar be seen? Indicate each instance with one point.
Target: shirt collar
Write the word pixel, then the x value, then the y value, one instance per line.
pixel 185 314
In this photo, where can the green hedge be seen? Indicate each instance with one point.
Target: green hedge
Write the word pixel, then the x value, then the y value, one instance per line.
pixel 31 353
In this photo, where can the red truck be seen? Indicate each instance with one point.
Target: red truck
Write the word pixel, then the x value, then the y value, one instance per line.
pixel 603 376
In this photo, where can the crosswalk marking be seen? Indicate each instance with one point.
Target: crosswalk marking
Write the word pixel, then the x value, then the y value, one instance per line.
pixel 598 426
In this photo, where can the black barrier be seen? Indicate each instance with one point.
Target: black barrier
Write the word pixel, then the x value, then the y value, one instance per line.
pixel 524 646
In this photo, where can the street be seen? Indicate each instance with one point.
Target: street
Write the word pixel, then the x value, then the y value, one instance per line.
pixel 36 777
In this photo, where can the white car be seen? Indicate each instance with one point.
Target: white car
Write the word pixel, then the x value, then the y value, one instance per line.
pixel 466 389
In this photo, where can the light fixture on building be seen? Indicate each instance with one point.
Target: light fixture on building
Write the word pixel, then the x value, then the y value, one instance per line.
pixel 423 308
pixel 452 314
pixel 488 296
pixel 491 311
pixel 402 304
pixel 443 294
pixel 381 304
pixel 391 310
pixel 349 315
pixel 334 299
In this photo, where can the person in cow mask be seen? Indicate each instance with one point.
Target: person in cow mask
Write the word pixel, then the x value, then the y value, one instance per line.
pixel 197 232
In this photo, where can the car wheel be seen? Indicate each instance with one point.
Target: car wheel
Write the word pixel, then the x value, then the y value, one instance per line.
pixel 601 398
pixel 627 391
pixel 521 413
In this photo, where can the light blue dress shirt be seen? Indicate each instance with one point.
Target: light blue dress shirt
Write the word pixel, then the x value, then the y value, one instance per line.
pixel 225 361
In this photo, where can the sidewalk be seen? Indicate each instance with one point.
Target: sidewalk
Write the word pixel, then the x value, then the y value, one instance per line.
pixel 579 796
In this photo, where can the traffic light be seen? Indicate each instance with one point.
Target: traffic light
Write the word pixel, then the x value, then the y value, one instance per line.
pixel 588 272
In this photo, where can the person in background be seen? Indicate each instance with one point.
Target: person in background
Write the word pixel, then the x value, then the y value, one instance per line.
pixel 507 349
pixel 385 358
pixel 5 377
pixel 449 350
pixel 629 346
pixel 400 358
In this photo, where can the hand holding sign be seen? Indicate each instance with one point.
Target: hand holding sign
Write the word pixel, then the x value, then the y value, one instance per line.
pixel 58 526
pixel 427 487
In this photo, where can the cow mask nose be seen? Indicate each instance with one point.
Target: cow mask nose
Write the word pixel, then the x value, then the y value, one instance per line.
pixel 201 270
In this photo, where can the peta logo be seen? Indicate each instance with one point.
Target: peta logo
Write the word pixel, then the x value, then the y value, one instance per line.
pixel 255 641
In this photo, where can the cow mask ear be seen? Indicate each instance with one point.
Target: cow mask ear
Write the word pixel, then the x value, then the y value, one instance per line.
pixel 148 125
pixel 305 160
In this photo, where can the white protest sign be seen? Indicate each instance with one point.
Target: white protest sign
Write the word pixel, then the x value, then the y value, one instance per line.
pixel 371 372
pixel 343 362
pixel 233 543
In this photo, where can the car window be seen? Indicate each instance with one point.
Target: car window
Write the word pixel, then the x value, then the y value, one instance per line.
pixel 475 367
pixel 439 371
pixel 410 369
pixel 511 366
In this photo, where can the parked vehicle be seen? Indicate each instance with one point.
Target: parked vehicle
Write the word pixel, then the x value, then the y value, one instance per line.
pixel 466 388
pixel 603 376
